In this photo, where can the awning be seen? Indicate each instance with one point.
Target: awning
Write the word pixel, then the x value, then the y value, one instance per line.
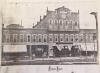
pixel 14 48
pixel 88 46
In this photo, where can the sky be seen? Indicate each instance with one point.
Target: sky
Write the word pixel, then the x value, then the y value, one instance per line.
pixel 29 11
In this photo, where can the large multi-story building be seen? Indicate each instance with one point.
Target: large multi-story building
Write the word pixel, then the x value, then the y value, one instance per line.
pixel 57 28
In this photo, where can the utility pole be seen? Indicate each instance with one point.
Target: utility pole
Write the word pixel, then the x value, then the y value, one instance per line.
pixel 2 26
pixel 96 19
pixel 21 22
pixel 85 43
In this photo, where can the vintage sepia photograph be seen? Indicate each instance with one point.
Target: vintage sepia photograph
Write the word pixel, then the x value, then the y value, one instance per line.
pixel 49 33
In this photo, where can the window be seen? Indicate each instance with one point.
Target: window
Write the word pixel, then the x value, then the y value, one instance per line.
pixel 28 38
pixel 75 23
pixel 69 25
pixel 86 37
pixel 55 21
pixel 40 38
pixel 44 38
pixel 71 38
pixel 50 22
pixel 66 23
pixel 66 37
pixel 34 38
pixel 15 38
pixel 81 38
pixel 21 37
pixel 94 36
pixel 76 38
pixel 56 37
pixel 50 37
pixel 7 38
pixel 4 38
pixel 91 37
pixel 11 37
pixel 61 22
pixel 71 22
pixel 61 37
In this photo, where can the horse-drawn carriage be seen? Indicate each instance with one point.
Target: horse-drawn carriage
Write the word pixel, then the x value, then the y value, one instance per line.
pixel 66 52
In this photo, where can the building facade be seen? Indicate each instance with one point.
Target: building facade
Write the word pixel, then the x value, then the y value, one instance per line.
pixel 57 28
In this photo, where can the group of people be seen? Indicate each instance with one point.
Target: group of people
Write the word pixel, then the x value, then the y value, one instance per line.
pixel 66 52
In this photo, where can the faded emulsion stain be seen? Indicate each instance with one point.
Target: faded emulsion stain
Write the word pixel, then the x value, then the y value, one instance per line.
pixel 56 39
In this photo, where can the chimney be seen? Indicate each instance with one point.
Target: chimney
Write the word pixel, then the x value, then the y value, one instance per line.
pixel 78 11
pixel 40 18
pixel 21 22
pixel 47 9
pixel 33 25
pixel 44 16
pixel 2 25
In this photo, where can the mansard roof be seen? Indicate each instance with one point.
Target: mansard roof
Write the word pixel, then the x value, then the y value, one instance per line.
pixel 14 26
pixel 63 8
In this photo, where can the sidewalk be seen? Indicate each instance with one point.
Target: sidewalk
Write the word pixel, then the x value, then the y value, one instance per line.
pixel 53 61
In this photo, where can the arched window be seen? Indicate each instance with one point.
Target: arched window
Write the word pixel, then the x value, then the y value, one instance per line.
pixel 66 37
pixel 8 38
pixel 66 22
pixel 44 38
pixel 28 38
pixel 76 38
pixel 50 21
pixel 86 37
pixel 69 25
pixel 34 38
pixel 61 22
pixel 40 38
pixel 94 36
pixel 61 37
pixel 75 23
pixel 50 37
pixel 91 37
pixel 71 37
pixel 55 21
pixel 15 37
pixel 11 37
pixel 56 37
pixel 81 38
pixel 21 37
